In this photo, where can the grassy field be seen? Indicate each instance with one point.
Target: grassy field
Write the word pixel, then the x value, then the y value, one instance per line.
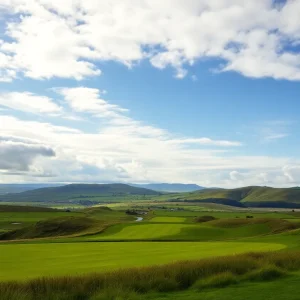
pixel 23 261
pixel 233 277
pixel 99 240
pixel 14 218
pixel 174 231
pixel 168 220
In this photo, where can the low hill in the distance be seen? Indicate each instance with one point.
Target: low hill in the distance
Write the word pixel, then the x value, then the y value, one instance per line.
pixel 171 187
pixel 161 187
pixel 252 196
pixel 89 194
pixel 78 193
pixel 22 187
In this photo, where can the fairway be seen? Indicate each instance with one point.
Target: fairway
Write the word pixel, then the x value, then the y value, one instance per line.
pixel 140 232
pixel 176 231
pixel 168 220
pixel 23 261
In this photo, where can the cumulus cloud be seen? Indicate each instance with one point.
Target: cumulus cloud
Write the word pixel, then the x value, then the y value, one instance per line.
pixel 83 99
pixel 19 156
pixel 45 39
pixel 29 102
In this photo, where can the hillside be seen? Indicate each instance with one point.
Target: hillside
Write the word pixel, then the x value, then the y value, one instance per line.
pixel 171 187
pixel 81 193
pixel 254 196
pixel 22 187
pixel 60 226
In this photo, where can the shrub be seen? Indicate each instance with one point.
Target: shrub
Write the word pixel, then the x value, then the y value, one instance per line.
pixel 203 219
pixel 267 273
pixel 217 281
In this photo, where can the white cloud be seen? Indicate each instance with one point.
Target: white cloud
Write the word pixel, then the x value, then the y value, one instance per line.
pixel 206 141
pixel 28 102
pixel 119 148
pixel 45 39
pixel 83 99
pixel 19 156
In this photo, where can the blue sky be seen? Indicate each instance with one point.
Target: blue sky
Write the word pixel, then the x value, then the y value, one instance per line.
pixel 150 93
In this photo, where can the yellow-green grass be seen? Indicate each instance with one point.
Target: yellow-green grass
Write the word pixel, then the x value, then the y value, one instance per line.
pixel 168 220
pixel 24 261
pixel 177 231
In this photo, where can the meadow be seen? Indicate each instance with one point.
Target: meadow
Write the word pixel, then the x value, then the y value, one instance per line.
pixel 46 245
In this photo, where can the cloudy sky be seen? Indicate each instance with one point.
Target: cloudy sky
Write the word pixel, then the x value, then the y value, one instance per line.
pixel 192 91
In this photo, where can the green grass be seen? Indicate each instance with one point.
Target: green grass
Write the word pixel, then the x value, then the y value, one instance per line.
pixel 217 278
pixel 228 214
pixel 23 261
pixel 140 231
pixel 56 227
pixel 283 289
pixel 168 220
pixel 28 218
pixel 208 231
pixel 13 220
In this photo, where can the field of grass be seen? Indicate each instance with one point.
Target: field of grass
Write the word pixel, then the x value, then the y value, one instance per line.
pixel 99 240
pixel 23 261
pixel 168 220
pixel 233 277
pixel 175 231
pixel 20 217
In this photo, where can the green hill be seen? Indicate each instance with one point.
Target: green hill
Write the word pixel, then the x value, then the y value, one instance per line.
pixel 254 196
pixel 79 193
pixel 60 226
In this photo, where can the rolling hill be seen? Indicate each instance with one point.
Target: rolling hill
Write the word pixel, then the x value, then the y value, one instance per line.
pixel 252 196
pixel 78 193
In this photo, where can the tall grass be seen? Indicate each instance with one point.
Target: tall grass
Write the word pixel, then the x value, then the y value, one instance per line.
pixel 130 283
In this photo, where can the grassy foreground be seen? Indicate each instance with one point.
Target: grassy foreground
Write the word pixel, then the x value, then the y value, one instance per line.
pixel 138 283
pixel 24 261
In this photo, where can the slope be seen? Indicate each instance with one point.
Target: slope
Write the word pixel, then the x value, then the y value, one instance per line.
pixel 247 196
pixel 81 193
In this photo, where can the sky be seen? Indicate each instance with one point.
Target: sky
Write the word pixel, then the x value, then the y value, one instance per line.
pixel 142 91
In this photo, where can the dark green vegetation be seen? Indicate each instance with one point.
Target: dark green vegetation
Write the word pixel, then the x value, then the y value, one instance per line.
pixel 252 196
pixel 196 277
pixel 60 226
pixel 18 222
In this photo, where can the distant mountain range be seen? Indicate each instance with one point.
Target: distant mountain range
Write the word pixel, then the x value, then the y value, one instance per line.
pixel 162 187
pixel 253 196
pixel 171 187
pixel 78 193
